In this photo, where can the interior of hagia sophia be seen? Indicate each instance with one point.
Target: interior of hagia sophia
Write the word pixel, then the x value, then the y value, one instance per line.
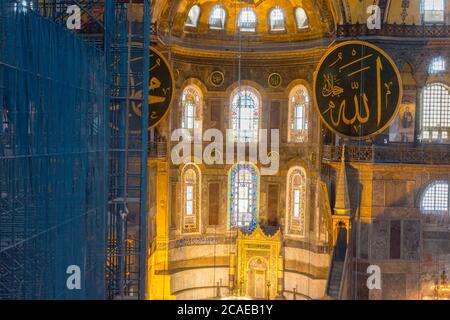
pixel 335 206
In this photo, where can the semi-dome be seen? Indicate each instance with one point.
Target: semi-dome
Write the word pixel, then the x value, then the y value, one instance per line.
pixel 256 22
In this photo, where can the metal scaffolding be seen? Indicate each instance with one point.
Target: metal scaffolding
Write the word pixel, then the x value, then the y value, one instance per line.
pixel 53 154
pixel 127 246
pixel 72 183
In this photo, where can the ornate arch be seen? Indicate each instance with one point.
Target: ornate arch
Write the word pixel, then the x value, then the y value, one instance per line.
pixel 243 193
pixel 434 204
pixel 191 107
pixel 190 199
pixel 296 201
pixel 300 102
pixel 245 113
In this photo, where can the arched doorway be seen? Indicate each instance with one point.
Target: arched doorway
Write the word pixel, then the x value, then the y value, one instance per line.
pixel 257 276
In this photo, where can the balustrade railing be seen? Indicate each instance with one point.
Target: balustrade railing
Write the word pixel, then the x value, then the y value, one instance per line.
pixel 395 30
pixel 390 154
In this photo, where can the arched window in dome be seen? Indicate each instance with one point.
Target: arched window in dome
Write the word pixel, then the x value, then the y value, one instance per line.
pixel 243 198
pixel 299 102
pixel 247 20
pixel 245 110
pixel 217 18
pixel 435 204
pixel 192 17
pixel 435 117
pixel 438 65
pixel 190 195
pixel 433 11
pixel 296 201
pixel 276 19
pixel 301 18
pixel 191 106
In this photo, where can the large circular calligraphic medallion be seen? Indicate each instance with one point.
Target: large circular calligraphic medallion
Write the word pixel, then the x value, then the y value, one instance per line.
pixel 161 87
pixel 357 89
pixel 160 91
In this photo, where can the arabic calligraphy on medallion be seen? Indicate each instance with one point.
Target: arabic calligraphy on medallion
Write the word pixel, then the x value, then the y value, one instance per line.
pixel 357 89
pixel 160 87
pixel 160 93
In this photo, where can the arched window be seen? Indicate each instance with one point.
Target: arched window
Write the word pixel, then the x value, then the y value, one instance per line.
pixel 190 185
pixel 435 124
pixel 192 17
pixel 299 102
pixel 245 106
pixel 276 19
pixel 438 65
pixel 296 201
pixel 301 18
pixel 217 18
pixel 434 204
pixel 243 203
pixel 191 106
pixel 433 11
pixel 247 20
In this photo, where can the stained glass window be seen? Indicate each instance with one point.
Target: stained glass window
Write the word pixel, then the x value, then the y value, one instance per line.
pixel 245 115
pixel 277 19
pixel 247 20
pixel 437 65
pixel 296 202
pixel 301 18
pixel 435 113
pixel 191 103
pixel 244 181
pixel 299 106
pixel 217 18
pixel 433 11
pixel 193 15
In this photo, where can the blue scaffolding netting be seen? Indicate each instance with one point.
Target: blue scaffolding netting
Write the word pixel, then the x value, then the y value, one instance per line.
pixel 53 158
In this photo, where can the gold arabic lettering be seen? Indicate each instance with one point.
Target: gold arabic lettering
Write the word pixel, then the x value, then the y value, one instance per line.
pixel 330 88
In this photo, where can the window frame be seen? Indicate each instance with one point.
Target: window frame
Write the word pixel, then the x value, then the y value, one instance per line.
pixel 247 29
pixel 235 196
pixel 283 20
pixel 429 188
pixel 434 111
pixel 198 17
pixel 441 62
pixel 190 223
pixel 250 135
pixel 435 217
pixel 297 26
pixel 296 224
pixel 433 22
pixel 296 134
pixel 193 117
pixel 224 21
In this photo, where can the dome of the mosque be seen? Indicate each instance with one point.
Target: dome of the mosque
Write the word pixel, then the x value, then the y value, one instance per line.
pixel 257 23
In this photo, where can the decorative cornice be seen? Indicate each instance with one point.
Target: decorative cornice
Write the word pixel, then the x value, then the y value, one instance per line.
pixel 220 56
